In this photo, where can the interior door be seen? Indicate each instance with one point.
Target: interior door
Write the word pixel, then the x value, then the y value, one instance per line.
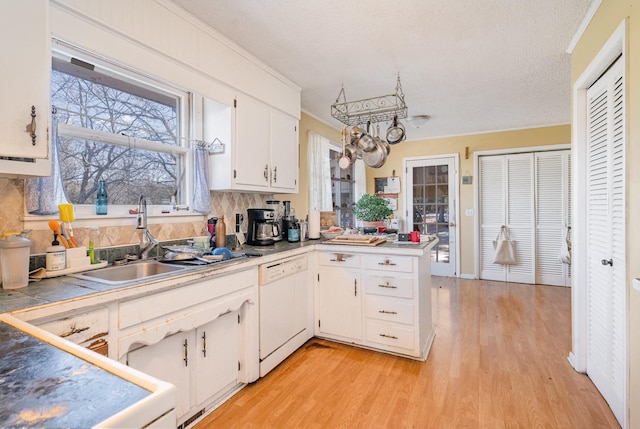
pixel 605 237
pixel 506 185
pixel 431 201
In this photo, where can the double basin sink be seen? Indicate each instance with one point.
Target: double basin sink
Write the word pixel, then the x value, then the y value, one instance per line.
pixel 141 270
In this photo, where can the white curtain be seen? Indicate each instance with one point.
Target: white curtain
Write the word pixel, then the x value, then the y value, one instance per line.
pixel 201 197
pixel 319 173
pixel 43 194
pixel 361 179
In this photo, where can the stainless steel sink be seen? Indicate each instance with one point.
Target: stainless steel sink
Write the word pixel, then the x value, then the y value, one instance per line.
pixel 143 270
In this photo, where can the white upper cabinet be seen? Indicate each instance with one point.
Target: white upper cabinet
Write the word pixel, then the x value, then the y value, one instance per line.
pixel 261 151
pixel 284 152
pixel 252 167
pixel 26 65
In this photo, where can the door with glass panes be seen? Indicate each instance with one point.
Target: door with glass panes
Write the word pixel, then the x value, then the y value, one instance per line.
pixel 431 208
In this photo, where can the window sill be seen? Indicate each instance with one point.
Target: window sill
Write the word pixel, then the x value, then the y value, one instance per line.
pixel 36 223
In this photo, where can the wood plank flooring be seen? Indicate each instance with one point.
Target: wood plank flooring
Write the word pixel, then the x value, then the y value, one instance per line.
pixel 499 360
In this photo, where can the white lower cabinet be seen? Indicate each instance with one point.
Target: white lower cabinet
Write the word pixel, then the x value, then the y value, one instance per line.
pixel 200 363
pixel 201 337
pixel 164 360
pixel 389 310
pixel 339 297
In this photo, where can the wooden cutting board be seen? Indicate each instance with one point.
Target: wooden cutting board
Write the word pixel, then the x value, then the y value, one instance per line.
pixel 358 240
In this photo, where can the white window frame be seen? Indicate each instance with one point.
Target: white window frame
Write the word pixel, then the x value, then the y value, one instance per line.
pixel 119 214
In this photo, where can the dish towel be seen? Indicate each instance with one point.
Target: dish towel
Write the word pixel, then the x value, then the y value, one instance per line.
pixel 504 248
pixel 201 197
pixel 43 194
pixel 565 250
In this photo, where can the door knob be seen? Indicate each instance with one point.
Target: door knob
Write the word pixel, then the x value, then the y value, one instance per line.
pixel 452 224
pixel 607 262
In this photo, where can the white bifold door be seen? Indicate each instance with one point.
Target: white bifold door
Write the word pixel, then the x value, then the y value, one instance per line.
pixel 605 238
pixel 528 193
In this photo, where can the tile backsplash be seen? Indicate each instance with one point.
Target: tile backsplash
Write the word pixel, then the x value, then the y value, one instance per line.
pixel 223 203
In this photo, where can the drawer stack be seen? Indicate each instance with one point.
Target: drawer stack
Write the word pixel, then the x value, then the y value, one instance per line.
pixel 390 308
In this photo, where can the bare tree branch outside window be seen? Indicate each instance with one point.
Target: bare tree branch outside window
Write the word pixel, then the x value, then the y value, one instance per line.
pixel 128 172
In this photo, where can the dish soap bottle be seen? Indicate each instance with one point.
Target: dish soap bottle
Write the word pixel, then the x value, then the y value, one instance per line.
pixel 55 256
pixel 221 232
pixel 101 198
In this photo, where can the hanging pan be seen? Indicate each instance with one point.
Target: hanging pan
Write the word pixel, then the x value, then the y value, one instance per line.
pixel 396 132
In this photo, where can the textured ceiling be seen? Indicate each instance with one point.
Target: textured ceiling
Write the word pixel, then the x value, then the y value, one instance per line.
pixel 473 65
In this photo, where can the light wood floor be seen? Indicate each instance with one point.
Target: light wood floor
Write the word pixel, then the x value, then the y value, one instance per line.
pixel 499 360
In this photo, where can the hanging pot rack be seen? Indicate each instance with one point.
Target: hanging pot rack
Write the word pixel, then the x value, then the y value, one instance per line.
pixel 375 109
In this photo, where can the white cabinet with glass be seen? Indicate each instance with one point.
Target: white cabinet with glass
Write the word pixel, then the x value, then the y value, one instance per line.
pixel 25 109
pixel 342 191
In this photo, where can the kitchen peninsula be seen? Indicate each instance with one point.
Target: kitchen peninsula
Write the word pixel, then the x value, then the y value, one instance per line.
pixel 139 323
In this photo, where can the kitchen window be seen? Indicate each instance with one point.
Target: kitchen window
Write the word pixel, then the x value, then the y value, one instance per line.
pixel 121 127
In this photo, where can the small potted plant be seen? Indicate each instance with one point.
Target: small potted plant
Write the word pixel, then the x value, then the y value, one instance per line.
pixel 372 210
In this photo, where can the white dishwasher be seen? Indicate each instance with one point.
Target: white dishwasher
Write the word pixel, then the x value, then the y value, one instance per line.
pixel 284 286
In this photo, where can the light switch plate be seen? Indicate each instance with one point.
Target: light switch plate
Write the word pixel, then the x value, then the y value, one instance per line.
pixel 636 284
pixel 468 212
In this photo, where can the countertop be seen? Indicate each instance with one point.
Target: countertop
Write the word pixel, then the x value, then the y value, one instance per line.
pixel 45 377
pixel 53 388
pixel 60 290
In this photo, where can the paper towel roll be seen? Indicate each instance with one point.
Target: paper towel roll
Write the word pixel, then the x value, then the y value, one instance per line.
pixel 314 224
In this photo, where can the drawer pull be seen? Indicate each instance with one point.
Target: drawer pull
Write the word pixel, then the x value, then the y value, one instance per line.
pixel 387 263
pixel 393 337
pixel 388 286
pixel 340 258
pixel 73 331
pixel 387 312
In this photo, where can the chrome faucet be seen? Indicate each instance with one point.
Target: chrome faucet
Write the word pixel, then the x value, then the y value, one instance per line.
pixel 147 240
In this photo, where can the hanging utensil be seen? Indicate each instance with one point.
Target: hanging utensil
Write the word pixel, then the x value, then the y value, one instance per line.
pixel 396 132
pixel 377 157
pixel 366 143
pixel 385 145
pixel 345 161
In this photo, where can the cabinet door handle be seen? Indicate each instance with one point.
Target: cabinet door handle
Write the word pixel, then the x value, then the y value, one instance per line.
pixel 386 262
pixel 387 312
pixel 32 126
pixel 204 344
pixel 355 287
pixel 393 337
pixel 388 286
pixel 186 353
pixel 266 172
pixel 275 174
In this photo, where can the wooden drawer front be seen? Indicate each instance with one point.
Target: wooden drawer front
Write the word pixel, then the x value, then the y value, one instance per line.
pixel 397 310
pixel 338 259
pixel 389 263
pixel 161 304
pixel 82 327
pixel 399 285
pixel 390 334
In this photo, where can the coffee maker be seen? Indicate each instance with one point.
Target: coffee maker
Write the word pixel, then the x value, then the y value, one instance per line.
pixel 261 227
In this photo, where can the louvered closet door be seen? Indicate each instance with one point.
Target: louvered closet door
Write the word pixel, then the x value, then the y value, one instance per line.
pixel 606 270
pixel 506 198
pixel 552 216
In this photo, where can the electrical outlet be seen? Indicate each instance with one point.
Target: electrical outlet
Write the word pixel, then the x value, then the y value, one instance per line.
pixel 468 212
